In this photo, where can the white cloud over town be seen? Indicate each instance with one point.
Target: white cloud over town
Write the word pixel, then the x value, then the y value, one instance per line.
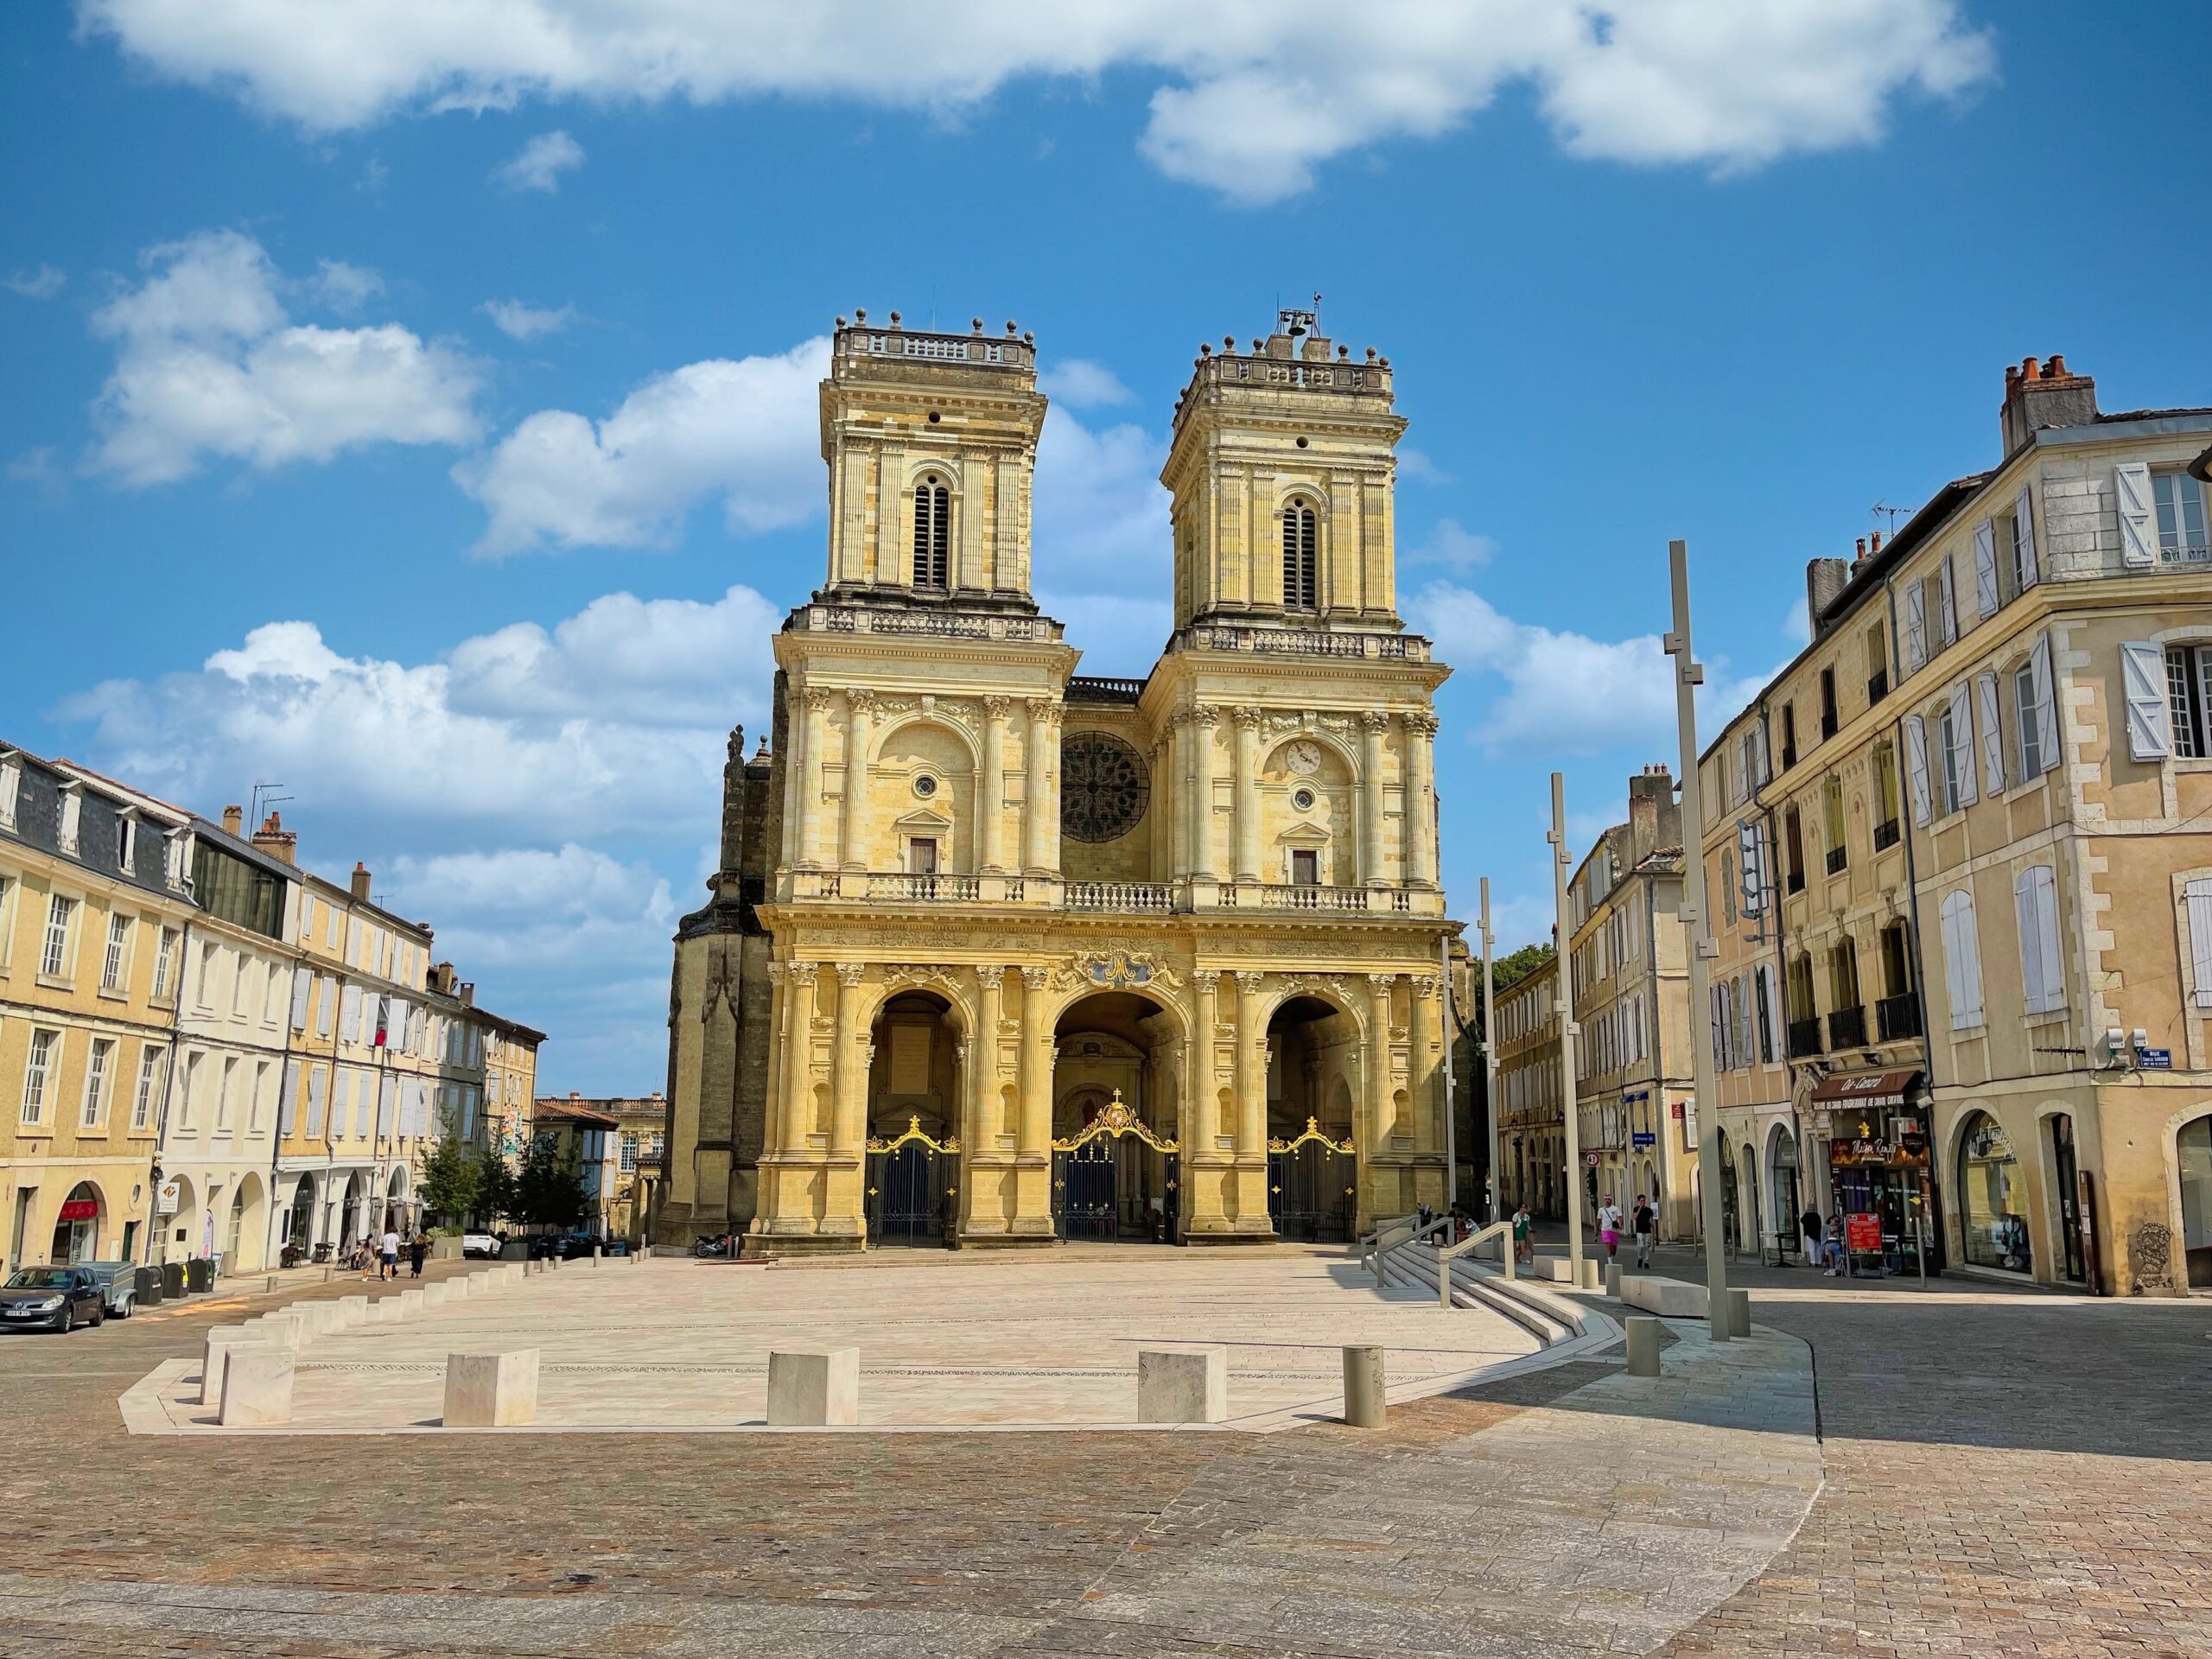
pixel 1249 100
pixel 208 363
pixel 540 164
pixel 518 319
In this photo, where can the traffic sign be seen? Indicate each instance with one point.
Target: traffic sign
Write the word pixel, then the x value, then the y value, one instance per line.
pixel 1591 1159
pixel 1644 1138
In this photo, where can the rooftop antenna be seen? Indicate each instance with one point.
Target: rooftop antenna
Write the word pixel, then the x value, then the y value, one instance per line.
pixel 1882 507
pixel 263 794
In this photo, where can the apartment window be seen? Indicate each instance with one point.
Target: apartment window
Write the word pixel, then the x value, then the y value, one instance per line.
pixel 97 1066
pixel 72 816
pixel 38 1070
pixel 2022 536
pixel 921 860
pixel 307 917
pixel 2035 894
pixel 119 941
pixel 1788 735
pixel 54 958
pixel 261 1070
pixel 1305 867
pixel 2188 694
pixel 1887 801
pixel 1300 557
pixel 1828 702
pixel 272 995
pixel 933 533
pixel 189 1098
pixel 1961 959
pixel 2179 500
pixel 150 1087
pixel 317 1077
pixel 227 1099
pixel 240 991
pixel 126 852
pixel 326 1004
pixel 1878 664
pixel 1952 759
pixel 1792 851
pixel 2035 713
pixel 164 963
pixel 1728 886
pixel 1831 815
pixel 203 993
pixel 11 783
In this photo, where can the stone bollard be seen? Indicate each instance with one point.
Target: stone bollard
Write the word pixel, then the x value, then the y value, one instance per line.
pixel 1182 1385
pixel 436 1293
pixel 491 1390
pixel 354 1310
pixel 814 1387
pixel 1643 1345
pixel 1589 1274
pixel 215 1348
pixel 1365 1382
pixel 256 1385
pixel 411 1301
pixel 1613 1280
pixel 290 1322
pixel 1739 1313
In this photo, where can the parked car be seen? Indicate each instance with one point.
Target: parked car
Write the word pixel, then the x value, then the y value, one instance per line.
pixel 118 1283
pixel 481 1245
pixel 55 1299
pixel 544 1246
pixel 575 1244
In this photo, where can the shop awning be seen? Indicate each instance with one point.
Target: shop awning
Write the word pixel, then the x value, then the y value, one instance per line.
pixel 1866 1087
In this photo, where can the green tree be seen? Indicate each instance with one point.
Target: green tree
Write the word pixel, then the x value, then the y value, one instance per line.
pixel 450 1182
pixel 496 1198
pixel 548 1192
pixel 1512 969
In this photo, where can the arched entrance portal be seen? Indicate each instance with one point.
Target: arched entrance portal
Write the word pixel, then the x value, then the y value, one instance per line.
pixel 1312 1155
pixel 912 1195
pixel 301 1229
pixel 77 1226
pixel 1116 1160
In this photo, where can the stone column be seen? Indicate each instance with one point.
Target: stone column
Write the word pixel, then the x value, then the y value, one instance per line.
pixel 852 836
pixel 1423 1071
pixel 1201 739
pixel 990 810
pixel 1421 794
pixel 1203 1184
pixel 1380 1159
pixel 1248 793
pixel 982 1166
pixel 804 838
pixel 773 1130
pixel 1251 1109
pixel 786 1168
pixel 851 1054
pixel 1032 1215
pixel 1373 722
pixel 1039 801
pixel 1172 799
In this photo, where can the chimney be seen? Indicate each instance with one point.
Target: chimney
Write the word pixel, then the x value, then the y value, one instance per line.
pixel 360 880
pixel 233 820
pixel 274 839
pixel 1824 580
pixel 1654 819
pixel 2042 395
pixel 1875 544
pixel 466 992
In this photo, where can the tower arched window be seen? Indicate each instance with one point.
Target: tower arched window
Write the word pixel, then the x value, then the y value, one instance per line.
pixel 1301 584
pixel 933 532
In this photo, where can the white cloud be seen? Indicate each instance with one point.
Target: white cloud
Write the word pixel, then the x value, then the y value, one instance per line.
pixel 612 721
pixel 345 288
pixel 1452 546
pixel 743 430
pixel 540 164
pixel 1078 382
pixel 40 284
pixel 518 320
pixel 1797 623
pixel 208 363
pixel 1250 98
pixel 1565 693
pixel 1101 513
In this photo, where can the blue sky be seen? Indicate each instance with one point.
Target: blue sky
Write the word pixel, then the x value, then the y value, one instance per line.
pixel 413 404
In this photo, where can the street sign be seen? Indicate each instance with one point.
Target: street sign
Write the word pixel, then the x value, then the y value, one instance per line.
pixel 1591 1159
pixel 2155 1060
pixel 1644 1138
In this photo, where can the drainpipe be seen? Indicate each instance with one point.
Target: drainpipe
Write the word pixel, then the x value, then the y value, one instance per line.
pixel 168 1083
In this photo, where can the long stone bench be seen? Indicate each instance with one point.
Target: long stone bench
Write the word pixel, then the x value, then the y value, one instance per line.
pixel 1670 1298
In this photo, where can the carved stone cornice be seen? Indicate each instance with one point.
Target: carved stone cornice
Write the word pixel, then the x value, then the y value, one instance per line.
pixel 817 698
pixel 1247 717
pixel 1374 720
pixel 1420 722
pixel 995 707
pixel 850 974
pixel 989 977
pixel 860 701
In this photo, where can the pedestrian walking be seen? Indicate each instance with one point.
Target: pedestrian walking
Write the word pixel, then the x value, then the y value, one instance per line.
pixel 417 1248
pixel 1809 1222
pixel 1645 1222
pixel 1524 1247
pixel 1609 1229
pixel 389 1254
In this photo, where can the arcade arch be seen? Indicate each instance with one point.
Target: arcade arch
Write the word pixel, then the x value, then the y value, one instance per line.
pixel 1116 1117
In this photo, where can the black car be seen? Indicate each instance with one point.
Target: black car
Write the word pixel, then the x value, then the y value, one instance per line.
pixel 51 1298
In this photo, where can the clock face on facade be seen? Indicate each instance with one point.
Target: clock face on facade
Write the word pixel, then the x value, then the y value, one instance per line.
pixel 1103 787
pixel 1303 757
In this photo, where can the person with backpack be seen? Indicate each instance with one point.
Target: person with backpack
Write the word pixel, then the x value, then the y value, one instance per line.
pixel 1645 1223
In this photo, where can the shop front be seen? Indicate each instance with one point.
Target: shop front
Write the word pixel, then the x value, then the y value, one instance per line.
pixel 1873 1127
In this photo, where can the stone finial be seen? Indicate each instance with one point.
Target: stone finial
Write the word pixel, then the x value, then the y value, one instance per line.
pixel 860 315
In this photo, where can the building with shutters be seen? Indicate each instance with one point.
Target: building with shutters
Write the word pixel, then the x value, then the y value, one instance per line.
pixel 1532 1125
pixel 1629 968
pixel 94 908
pixel 1988 786
pixel 999 954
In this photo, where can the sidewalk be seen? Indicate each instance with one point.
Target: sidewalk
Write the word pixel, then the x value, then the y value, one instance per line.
pixel 1688 1262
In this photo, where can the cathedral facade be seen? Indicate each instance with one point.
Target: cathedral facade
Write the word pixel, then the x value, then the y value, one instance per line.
pixel 1001 955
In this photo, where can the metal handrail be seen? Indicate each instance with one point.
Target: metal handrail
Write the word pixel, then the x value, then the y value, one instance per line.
pixel 1412 1235
pixel 1501 1231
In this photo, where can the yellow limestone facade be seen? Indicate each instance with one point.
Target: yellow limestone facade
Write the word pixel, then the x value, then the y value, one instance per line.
pixel 1001 955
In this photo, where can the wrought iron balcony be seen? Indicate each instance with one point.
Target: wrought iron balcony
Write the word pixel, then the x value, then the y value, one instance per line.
pixel 1877 687
pixel 1846 1029
pixel 1885 834
pixel 1898 1017
pixel 1838 859
pixel 1804 1038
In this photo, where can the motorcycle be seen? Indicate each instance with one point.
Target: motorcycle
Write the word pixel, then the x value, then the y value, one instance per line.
pixel 724 1244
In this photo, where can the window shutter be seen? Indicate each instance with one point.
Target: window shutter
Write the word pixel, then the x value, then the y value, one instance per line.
pixel 1916 626
pixel 300 979
pixel 1772 1053
pixel 1992 740
pixel 1947 620
pixel 1961 764
pixel 2043 973
pixel 1961 960
pixel 2142 679
pixel 314 1103
pixel 2046 707
pixel 2197 897
pixel 2024 903
pixel 2139 530
pixel 2024 516
pixel 1984 568
pixel 1916 755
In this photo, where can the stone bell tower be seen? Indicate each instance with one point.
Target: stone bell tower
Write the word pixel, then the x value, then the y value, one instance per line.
pixel 932 442
pixel 1281 470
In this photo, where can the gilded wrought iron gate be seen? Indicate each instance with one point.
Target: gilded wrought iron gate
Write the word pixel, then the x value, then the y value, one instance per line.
pixel 911 1180
pixel 1087 1180
pixel 1099 1187
pixel 1312 1185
